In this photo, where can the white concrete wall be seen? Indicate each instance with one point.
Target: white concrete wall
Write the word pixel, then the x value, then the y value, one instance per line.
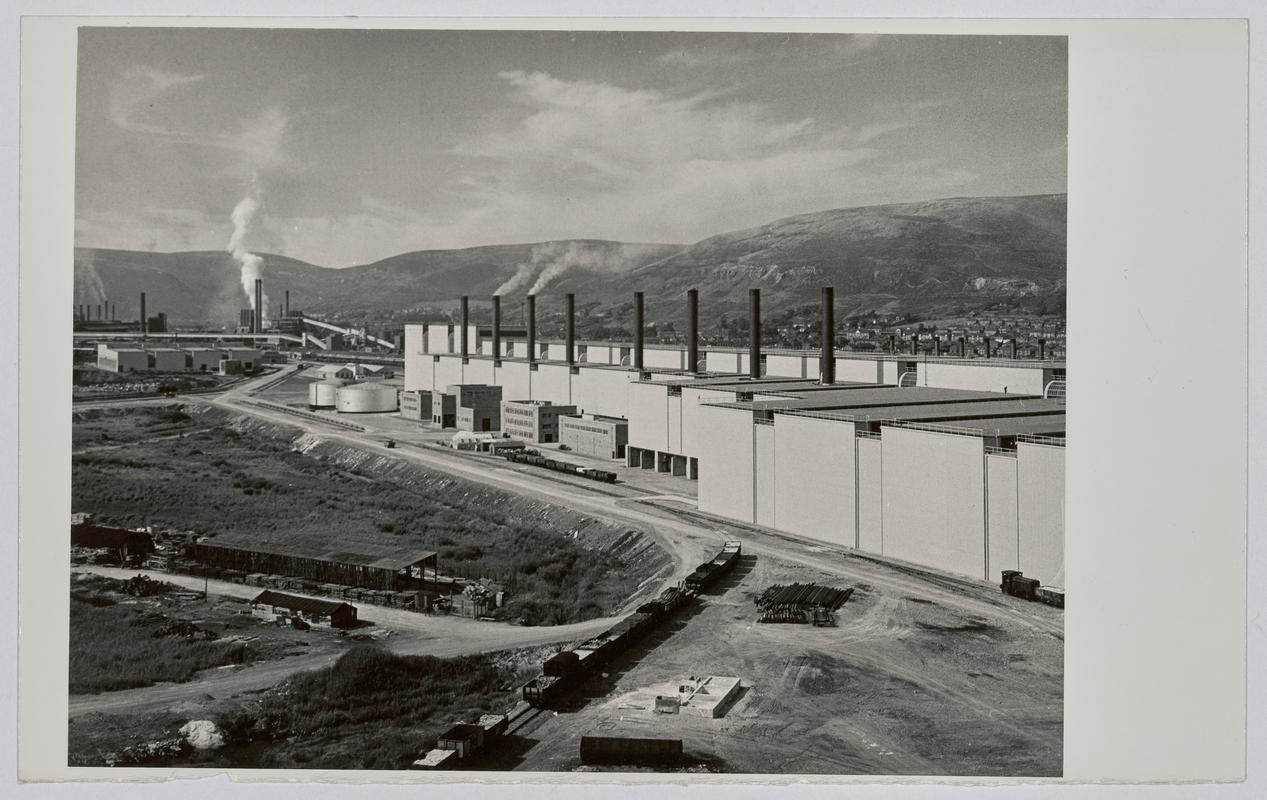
pixel 648 416
pixel 553 383
pixel 415 339
pixel 862 370
pixel 814 461
pixel 1040 482
pixel 870 495
pixel 765 485
pixel 934 500
pixel 980 375
pixel 449 372
pixel 1000 474
pixel 788 366
pixel 663 358
pixel 602 391
pixel 479 370
pixel 515 379
pixel 722 362
pixel 889 372
pixel 725 463
pixel 692 399
pixel 169 360
pixel 438 338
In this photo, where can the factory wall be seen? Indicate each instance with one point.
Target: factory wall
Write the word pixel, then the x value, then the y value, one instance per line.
pixel 764 483
pixel 870 495
pixel 692 399
pixel 515 379
pixel 788 366
pixel 662 358
pixel 439 339
pixel 1040 474
pixel 1001 514
pixel 890 371
pixel 934 497
pixel 723 362
pixel 603 391
pixel 726 463
pixel 449 372
pixel 649 416
pixel 814 462
pixel 415 339
pixel 862 370
pixel 479 370
pixel 169 360
pixel 553 383
pixel 981 376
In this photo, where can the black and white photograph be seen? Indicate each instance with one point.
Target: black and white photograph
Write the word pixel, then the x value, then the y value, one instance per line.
pixel 555 401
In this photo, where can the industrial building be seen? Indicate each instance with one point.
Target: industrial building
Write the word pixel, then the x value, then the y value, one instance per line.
pixel 415 404
pixel 366 398
pixel 593 435
pixel 533 420
pixel 324 394
pixel 122 359
pixel 350 564
pixel 953 462
pixel 467 407
pixel 171 359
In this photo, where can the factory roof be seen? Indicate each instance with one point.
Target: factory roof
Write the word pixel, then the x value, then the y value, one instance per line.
pixel 726 380
pixel 1047 425
pixel 1017 407
pixel 875 396
pixel 311 605
pixel 332 549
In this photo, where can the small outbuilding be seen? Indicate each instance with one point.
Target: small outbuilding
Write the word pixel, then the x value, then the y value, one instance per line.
pixel 318 613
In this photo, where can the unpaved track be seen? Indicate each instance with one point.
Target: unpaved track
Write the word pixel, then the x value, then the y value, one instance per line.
pixel 417 634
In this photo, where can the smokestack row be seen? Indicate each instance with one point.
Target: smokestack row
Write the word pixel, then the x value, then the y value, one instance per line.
pixel 497 329
pixel 692 330
pixel 466 317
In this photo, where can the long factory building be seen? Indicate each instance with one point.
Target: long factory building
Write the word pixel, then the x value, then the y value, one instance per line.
pixel 946 462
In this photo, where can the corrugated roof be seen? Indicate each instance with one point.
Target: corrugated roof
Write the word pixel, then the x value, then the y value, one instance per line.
pixel 333 549
pixel 1018 407
pixel 310 605
pixel 875 396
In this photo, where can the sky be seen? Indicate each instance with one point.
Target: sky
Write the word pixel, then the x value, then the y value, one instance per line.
pixel 342 147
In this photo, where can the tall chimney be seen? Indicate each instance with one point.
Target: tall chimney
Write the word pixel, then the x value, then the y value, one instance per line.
pixel 914 344
pixel 692 330
pixel 532 328
pixel 466 318
pixel 827 361
pixel 988 342
pixel 1042 349
pixel 571 329
pixel 112 310
pixel 892 343
pixel 497 329
pixel 98 312
pixel 754 333
pixel 1013 348
pixel 258 324
pixel 286 308
pixel 640 324
pixel 963 347
pixel 144 322
pixel 936 345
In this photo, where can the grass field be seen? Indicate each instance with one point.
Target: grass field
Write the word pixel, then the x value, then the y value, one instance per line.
pixel 247 487
pixel 117 642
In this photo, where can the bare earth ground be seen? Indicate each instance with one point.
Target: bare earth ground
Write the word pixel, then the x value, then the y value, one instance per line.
pixel 924 675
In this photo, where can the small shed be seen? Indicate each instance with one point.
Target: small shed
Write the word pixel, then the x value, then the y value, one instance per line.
pixel 321 613
pixel 464 738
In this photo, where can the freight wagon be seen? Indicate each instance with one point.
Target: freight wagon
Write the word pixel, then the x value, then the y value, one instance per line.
pixel 534 458
pixel 564 671
pixel 1017 585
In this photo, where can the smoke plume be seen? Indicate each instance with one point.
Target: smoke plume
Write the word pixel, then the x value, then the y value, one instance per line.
pixel 243 214
pixel 551 260
pixel 90 289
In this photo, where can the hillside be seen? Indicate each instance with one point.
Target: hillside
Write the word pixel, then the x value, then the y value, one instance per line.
pixel 924 258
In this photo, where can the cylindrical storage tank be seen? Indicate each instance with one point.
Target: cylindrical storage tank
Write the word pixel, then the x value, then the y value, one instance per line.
pixel 366 398
pixel 322 394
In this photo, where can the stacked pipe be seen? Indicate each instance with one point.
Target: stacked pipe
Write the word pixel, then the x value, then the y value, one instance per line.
pixel 827 361
pixel 639 328
pixel 754 333
pixel 692 330
pixel 532 328
pixel 571 329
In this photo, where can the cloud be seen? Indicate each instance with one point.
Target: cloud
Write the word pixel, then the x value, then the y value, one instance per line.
pixel 811 51
pixel 136 105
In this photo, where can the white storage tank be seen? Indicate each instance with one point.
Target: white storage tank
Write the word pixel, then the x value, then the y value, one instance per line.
pixel 366 398
pixel 324 394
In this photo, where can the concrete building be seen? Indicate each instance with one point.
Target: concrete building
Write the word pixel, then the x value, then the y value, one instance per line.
pixel 415 404
pixel 248 356
pixel 591 435
pixel 122 359
pixel 168 359
pixel 467 407
pixel 444 409
pixel 203 359
pixel 533 420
